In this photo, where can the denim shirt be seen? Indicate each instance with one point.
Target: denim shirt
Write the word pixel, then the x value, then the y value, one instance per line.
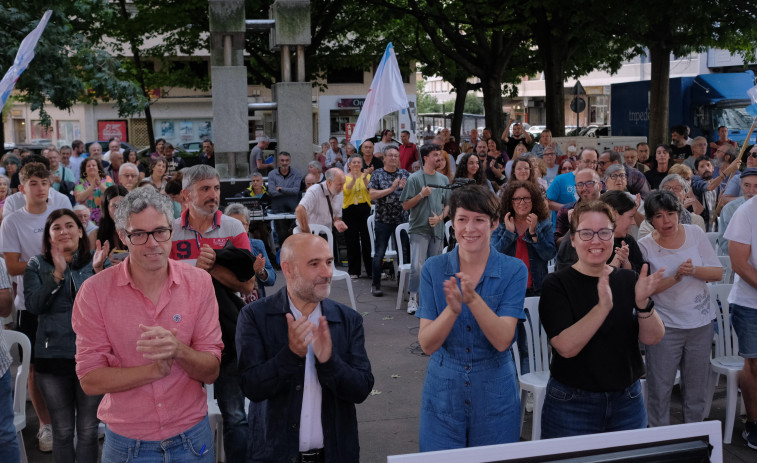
pixel 503 289
pixel 539 253
pixel 258 247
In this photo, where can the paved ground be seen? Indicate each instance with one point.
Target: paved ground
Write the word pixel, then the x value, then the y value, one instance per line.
pixel 388 419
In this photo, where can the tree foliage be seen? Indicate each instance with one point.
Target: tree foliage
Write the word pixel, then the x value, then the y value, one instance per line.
pixel 69 66
pixel 427 103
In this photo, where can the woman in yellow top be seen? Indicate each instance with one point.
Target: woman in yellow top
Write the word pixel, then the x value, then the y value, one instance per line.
pixel 355 211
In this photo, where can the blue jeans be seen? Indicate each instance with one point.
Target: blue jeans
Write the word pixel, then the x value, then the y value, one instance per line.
pixel 384 232
pixel 744 320
pixel 193 445
pixel 8 442
pixel 469 405
pixel 71 410
pixel 421 248
pixel 569 411
pixel 228 391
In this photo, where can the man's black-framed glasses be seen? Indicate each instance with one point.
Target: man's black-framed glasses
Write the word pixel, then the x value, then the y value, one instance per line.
pixel 140 237
pixel 605 234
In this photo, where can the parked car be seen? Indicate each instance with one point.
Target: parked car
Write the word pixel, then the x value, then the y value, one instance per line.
pixel 191 147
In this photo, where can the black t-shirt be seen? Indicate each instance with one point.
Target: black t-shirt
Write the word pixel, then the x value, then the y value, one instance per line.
pixel 513 142
pixel 611 360
pixel 376 163
pixel 15 181
pixel 654 178
pixel 680 153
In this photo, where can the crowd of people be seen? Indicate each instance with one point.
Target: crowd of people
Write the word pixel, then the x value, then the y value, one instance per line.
pixel 137 291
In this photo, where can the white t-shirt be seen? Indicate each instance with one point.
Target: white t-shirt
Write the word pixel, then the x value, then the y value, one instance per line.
pixel 22 233
pixel 311 429
pixel 686 304
pixel 16 201
pixel 743 229
pixel 314 202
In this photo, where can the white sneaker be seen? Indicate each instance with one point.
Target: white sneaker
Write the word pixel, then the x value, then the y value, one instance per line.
pixel 45 436
pixel 412 306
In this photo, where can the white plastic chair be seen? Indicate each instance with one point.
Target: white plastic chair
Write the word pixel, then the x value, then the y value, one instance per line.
pixel 321 230
pixel 538 359
pixel 404 267
pixel 725 261
pixel 391 253
pixel 19 388
pixel 727 361
pixel 713 238
pixel 447 229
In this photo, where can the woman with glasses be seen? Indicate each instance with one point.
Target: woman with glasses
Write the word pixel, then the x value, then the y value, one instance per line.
pixel 595 315
pixel 690 203
pixel 526 231
pixel 615 178
pixel 566 166
pixel 660 166
pixel 682 300
pixel 51 281
pixel 471 299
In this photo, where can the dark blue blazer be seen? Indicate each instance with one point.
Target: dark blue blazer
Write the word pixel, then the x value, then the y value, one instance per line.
pixel 273 377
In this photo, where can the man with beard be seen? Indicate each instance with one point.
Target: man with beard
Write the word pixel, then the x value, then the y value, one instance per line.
pixel 323 205
pixel 303 363
pixel 197 234
pixel 588 187
pixel 707 188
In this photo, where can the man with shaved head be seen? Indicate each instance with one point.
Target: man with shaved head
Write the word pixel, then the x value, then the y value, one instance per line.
pixel 303 363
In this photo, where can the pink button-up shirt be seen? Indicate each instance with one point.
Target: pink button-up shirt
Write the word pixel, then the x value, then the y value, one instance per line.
pixel 107 313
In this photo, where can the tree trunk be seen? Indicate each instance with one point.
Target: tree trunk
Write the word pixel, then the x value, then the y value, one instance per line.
pixel 461 87
pixel 495 118
pixel 659 95
pixel 554 87
pixel 2 134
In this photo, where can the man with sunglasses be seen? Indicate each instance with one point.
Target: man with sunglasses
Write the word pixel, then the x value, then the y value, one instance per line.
pixel 148 337
pixel 198 233
pixel 588 187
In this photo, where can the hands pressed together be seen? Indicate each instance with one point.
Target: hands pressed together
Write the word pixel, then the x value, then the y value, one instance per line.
pixel 302 333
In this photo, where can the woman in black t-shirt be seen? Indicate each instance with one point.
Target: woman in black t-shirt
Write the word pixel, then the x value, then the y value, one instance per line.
pixel 594 316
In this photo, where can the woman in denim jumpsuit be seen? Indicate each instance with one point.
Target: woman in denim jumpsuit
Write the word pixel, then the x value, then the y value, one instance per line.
pixel 470 302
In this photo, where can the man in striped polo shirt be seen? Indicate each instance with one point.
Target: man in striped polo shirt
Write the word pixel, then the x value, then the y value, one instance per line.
pixel 200 230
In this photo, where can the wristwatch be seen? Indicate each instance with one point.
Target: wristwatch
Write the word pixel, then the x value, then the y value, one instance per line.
pixel 647 309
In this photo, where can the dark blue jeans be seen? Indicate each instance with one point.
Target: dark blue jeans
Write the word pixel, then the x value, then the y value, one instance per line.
pixel 384 232
pixel 72 412
pixel 569 411
pixel 231 403
pixel 8 442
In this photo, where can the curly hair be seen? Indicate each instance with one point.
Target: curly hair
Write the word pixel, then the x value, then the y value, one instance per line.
pixel 462 169
pixel 83 168
pixel 538 205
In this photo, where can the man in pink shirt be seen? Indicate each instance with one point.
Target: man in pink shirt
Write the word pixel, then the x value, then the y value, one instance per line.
pixel 148 337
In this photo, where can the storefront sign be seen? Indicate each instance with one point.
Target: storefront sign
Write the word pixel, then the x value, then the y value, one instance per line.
pixel 109 129
pixel 350 103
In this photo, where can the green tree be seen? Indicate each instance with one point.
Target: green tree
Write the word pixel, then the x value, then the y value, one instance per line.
pixel 427 103
pixel 570 42
pixel 483 39
pixel 474 104
pixel 70 64
pixel 678 28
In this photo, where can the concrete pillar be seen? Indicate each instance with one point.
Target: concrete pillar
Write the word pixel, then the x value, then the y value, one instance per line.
pixel 294 120
pixel 229 87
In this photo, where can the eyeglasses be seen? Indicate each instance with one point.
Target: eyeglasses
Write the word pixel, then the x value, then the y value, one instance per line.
pixel 589 184
pixel 522 199
pixel 673 189
pixel 605 234
pixel 141 237
pixel 618 176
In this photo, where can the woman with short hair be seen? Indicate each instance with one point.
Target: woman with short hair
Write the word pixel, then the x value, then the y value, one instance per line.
pixel 682 300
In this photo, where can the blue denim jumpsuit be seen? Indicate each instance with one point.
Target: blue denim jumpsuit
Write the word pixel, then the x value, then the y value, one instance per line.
pixel 470 394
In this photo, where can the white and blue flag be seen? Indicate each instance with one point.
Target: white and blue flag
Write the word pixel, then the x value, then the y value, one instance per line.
pixel 24 56
pixel 386 95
